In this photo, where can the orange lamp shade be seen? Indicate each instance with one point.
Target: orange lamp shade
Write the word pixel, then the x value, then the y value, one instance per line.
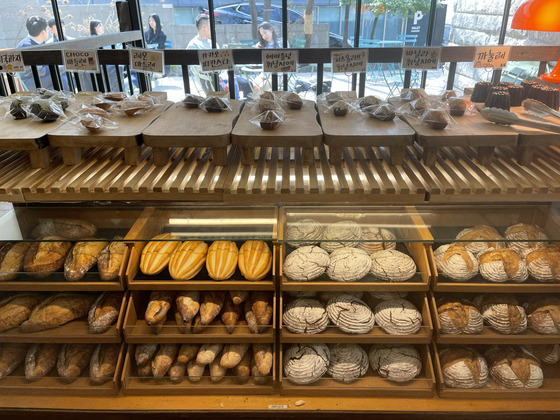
pixel 540 15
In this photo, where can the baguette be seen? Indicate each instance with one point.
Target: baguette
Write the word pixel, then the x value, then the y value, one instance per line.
pixel 40 360
pixel 187 260
pixel 83 256
pixel 233 354
pixel 195 370
pixel 184 327
pixel 67 228
pixel 208 352
pixel 251 319
pixel 44 258
pixel 73 359
pixel 11 356
pixel 187 352
pixel 199 328
pixel 144 354
pixel 242 371
pixel 262 354
pixel 231 314
pixel 212 304
pixel 261 304
pixel 255 260
pixel 110 260
pixel 217 372
pixel 11 259
pixel 156 254
pixel 17 308
pixel 58 310
pixel 103 363
pixel 238 296
pixel 258 378
pixel 145 371
pixel 158 306
pixel 188 304
pixel 164 359
pixel 221 260
pixel 104 312
pixel 177 372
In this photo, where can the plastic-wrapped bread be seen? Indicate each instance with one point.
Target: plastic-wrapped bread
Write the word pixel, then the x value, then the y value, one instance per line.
pixel 350 314
pixel 398 317
pixel 44 258
pixel 262 354
pixel 144 353
pixel 380 238
pixel 306 263
pixel 502 312
pixel 40 360
pixel 341 234
pixel 187 260
pixel 483 237
pixel 463 367
pixel 11 259
pixel 305 316
pixel 255 260
pixel 397 363
pixel 231 314
pixel 233 354
pixel 501 265
pixel 163 359
pixel 157 253
pixel 104 312
pixel 103 363
pixel 514 367
pixel 212 303
pixel 456 262
pixel 524 238
pixel 348 264
pixel 238 296
pixel 459 316
pixel 242 370
pixel 348 362
pixel 217 372
pixel 73 359
pixel 221 260
pixel 392 265
pixel 543 314
pixel 17 308
pixel 208 352
pixel 306 363
pixel 81 258
pixel 304 232
pixel 544 264
pixel 195 370
pixel 110 260
pixel 11 356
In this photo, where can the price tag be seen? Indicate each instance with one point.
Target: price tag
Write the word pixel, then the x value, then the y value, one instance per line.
pixel 81 60
pixel 494 57
pixel 422 58
pixel 11 62
pixel 280 61
pixel 349 61
pixel 212 60
pixel 146 60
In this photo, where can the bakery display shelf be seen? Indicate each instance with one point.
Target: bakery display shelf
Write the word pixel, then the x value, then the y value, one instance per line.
pixel 549 389
pixel 132 384
pixel 333 334
pixel 137 331
pixel 17 384
pixel 371 385
pixel 76 331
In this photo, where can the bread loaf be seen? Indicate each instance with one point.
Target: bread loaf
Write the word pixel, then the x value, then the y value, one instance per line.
pixel 217 372
pixel 514 367
pixel 525 238
pixel 255 260
pixel 11 259
pixel 261 304
pixel 212 303
pixel 230 314
pixel 251 318
pixel 305 316
pixel 110 260
pixel 103 363
pixel 346 231
pixel 195 370
pixel 67 228
pixel 262 353
pixel 187 352
pixel 459 316
pixel 104 312
pixel 157 253
pixel 544 264
pixel 221 260
pixel 456 262
pixel 546 353
pixel 304 232
pixel 396 362
pixel 73 359
pixel 44 258
pixel 242 371
pixel 208 352
pixel 306 263
pixel 83 256
pixel 306 363
pixel 478 239
pixel 58 310
pixel 17 308
pixel 158 306
pixel 163 359
pixel 177 372
pixel 348 362
pixel 543 314
pixel 502 312
pixel 40 360
pixel 11 356
pixel 463 367
pixel 233 354
pixel 144 354
pixel 500 265
pixel 187 260
pixel 238 296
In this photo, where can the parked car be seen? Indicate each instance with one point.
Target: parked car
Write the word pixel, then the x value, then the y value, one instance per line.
pixel 240 13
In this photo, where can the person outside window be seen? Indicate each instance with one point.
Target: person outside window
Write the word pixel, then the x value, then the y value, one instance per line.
pixel 38 34
pixel 96 28
pixel 54 31
pixel 267 37
pixel 154 35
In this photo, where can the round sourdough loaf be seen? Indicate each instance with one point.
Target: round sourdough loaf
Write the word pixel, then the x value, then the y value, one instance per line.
pixel 306 263
pixel 456 262
pixel 255 260
pixel 392 265
pixel 306 363
pixel 348 362
pixel 463 367
pixel 502 312
pixel 221 260
pixel 501 265
pixel 326 296
pixel 543 314
pixel 479 238
pixel 396 362
pixel 348 264
pixel 350 314
pixel 459 316
pixel 384 239
pixel 523 238
pixel 546 353
pixel 187 260
pixel 157 253
pixel 341 235
pixel 514 367
pixel 304 232
pixel 544 264
pixel 305 316
pixel 398 317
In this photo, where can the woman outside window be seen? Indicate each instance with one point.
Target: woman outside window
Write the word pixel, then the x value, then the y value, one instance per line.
pixel 154 34
pixel 267 37
pixel 96 27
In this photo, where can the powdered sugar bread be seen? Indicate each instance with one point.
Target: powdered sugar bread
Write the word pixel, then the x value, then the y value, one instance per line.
pixel 456 262
pixel 463 367
pixel 398 363
pixel 348 362
pixel 501 265
pixel 514 367
pixel 341 234
pixel 306 363
pixel 306 263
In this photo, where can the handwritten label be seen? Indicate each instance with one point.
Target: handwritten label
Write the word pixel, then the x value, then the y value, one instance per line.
pixel 424 58
pixel 11 62
pixel 493 57
pixel 275 61
pixel 81 60
pixel 349 61
pixel 212 60
pixel 146 60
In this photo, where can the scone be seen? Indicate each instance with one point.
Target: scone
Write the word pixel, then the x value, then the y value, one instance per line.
pixel 456 262
pixel 501 265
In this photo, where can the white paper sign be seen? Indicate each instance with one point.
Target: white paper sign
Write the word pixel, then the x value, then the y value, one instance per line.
pixel 422 58
pixel 494 57
pixel 349 61
pixel 280 61
pixel 11 62
pixel 146 60
pixel 81 60
pixel 212 60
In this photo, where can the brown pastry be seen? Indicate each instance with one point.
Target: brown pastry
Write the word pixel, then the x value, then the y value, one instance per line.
pixel 293 100
pixel 258 378
pixel 262 354
pixel 270 120
pixel 82 257
pixel 457 106
pixel 157 253
pixel 11 259
pixel 368 101
pixel 177 372
pixel 187 352
pixel 58 310
pixel 115 96
pixel 340 109
pixel 192 101
pixel 103 363
pixel 188 305
pixel 221 260
pixel 93 110
pixel 212 303
pixel 448 94
pixel 158 306
pixel 214 104
pixel 333 97
pixel 17 308
pixel 231 314
pixel 104 312
pixel 261 304
pixel 44 258
pixel 267 105
pixel 110 260
pixel 67 228
pixel 73 359
pixel 383 112
pixel 40 360
pixel 187 260
pixel 238 296
pixel 435 118
pixel 267 95
pixel 242 371
pixel 144 353
pixel 11 356
pixel 164 359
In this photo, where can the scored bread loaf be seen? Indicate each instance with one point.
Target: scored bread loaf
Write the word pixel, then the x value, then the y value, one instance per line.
pixel 11 259
pixel 463 367
pixel 255 260
pixel 157 253
pixel 233 354
pixel 208 352
pixel 502 312
pixel 104 312
pixel 212 303
pixel 163 359
pixel 44 258
pixel 81 258
pixel 230 314
pixel 514 367
pixel 459 316
pixel 73 359
pixel 110 260
pixel 544 264
pixel 543 314
pixel 221 260
pixel 456 262
pixel 67 228
pixel 103 363
pixel 158 306
pixel 17 308
pixel 187 260
pixel 40 360
pixel 500 265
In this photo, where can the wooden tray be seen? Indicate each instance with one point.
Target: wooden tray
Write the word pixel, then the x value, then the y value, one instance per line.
pixel 356 129
pixel 73 332
pixel 133 385
pixel 183 127
pixel 371 385
pixel 333 334
pixel 16 383
pixel 549 389
pixel 489 335
pixel 300 130
pixel 30 134
pixel 71 138
pixel 137 331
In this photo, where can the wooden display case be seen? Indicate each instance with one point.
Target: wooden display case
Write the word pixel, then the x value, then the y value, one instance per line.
pixel 134 385
pixel 333 334
pixel 137 331
pixel 52 384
